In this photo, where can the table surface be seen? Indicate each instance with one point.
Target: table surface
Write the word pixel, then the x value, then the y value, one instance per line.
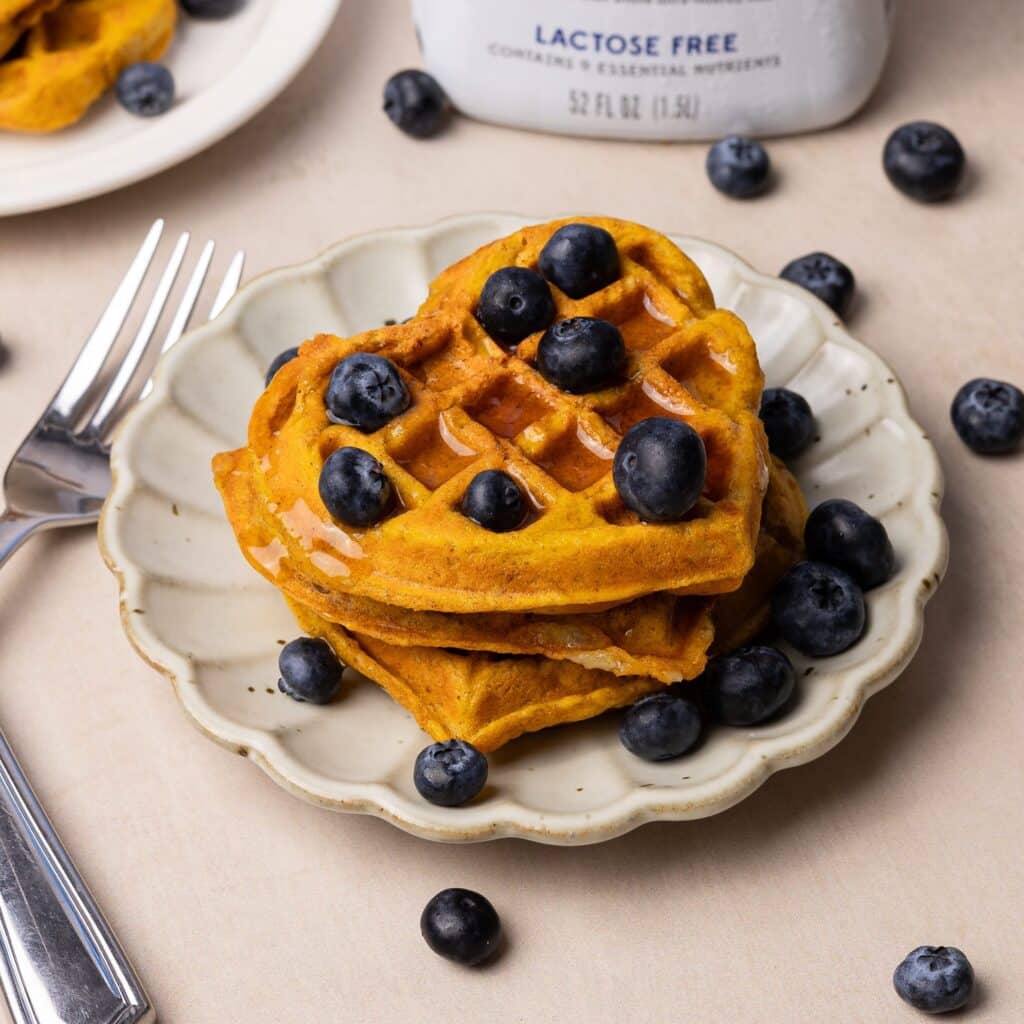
pixel 240 903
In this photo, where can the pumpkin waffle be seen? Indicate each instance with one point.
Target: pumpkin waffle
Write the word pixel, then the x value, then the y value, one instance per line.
pixel 489 699
pixel 660 635
pixel 74 53
pixel 475 407
pixel 17 16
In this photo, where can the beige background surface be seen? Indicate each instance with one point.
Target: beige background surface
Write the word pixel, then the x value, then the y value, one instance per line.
pixel 241 904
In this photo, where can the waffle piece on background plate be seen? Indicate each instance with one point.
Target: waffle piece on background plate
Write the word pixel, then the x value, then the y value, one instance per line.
pixel 73 55
pixel 18 16
pixel 476 406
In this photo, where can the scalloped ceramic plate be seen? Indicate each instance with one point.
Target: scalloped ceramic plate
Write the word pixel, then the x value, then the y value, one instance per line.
pixel 195 610
pixel 225 72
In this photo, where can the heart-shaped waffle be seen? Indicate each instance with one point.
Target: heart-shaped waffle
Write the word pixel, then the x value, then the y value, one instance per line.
pixel 476 406
pixel 74 53
pixel 490 699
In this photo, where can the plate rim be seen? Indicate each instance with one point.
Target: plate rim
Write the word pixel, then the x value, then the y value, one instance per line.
pixel 212 118
pixel 636 807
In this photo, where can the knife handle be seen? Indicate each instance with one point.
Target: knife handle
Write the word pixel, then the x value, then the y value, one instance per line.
pixel 59 960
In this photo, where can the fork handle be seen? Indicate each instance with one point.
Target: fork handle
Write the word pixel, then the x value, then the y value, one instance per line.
pixel 15 529
pixel 59 960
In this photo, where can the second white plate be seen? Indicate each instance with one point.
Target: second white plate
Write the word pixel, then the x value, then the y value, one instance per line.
pixel 194 608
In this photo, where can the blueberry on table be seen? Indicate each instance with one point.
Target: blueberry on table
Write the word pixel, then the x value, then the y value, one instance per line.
pixel 354 488
pixel 310 670
pixel 366 392
pixel 461 925
pixel 924 161
pixel 145 89
pixel 819 609
pixel 738 167
pixel 515 303
pixel 212 8
pixel 416 103
pixel 989 416
pixel 825 277
pixel 788 422
pixel 279 360
pixel 660 726
pixel 580 259
pixel 749 686
pixel 660 468
pixel 936 979
pixel 842 534
pixel 449 774
pixel 582 354
pixel 495 501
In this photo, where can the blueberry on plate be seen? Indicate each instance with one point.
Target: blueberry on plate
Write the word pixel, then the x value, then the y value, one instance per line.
pixel 366 392
pixel 310 670
pixel 989 416
pixel 449 774
pixel 841 533
pixel 582 354
pixel 738 167
pixel 212 8
pixel 416 103
pixel 461 925
pixel 354 488
pixel 515 303
pixel 660 468
pixel 284 357
pixel 145 89
pixel 660 726
pixel 495 501
pixel 825 277
pixel 580 259
pixel 936 979
pixel 819 609
pixel 924 161
pixel 749 686
pixel 788 422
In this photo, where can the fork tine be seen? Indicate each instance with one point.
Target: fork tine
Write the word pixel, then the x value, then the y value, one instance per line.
pixel 229 285
pixel 69 401
pixel 120 385
pixel 186 307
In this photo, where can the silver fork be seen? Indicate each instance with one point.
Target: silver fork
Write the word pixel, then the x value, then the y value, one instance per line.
pixel 59 960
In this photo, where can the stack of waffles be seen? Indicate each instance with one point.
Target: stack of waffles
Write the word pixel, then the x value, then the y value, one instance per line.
pixel 483 635
pixel 57 57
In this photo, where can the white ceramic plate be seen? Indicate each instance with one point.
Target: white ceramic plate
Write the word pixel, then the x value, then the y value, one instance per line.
pixel 197 611
pixel 225 72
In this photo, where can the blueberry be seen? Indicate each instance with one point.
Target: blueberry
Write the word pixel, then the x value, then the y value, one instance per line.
pixel 366 392
pixel 146 89
pixel 660 468
pixel 844 535
pixel 495 501
pixel 660 726
pixel 750 685
pixel 580 259
pixel 935 979
pixel 819 609
pixel 515 303
pixel 582 354
pixel 461 925
pixel 924 161
pixel 416 103
pixel 738 167
pixel 284 357
pixel 989 416
pixel 788 422
pixel 310 670
pixel 354 487
pixel 822 275
pixel 212 8
pixel 449 774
